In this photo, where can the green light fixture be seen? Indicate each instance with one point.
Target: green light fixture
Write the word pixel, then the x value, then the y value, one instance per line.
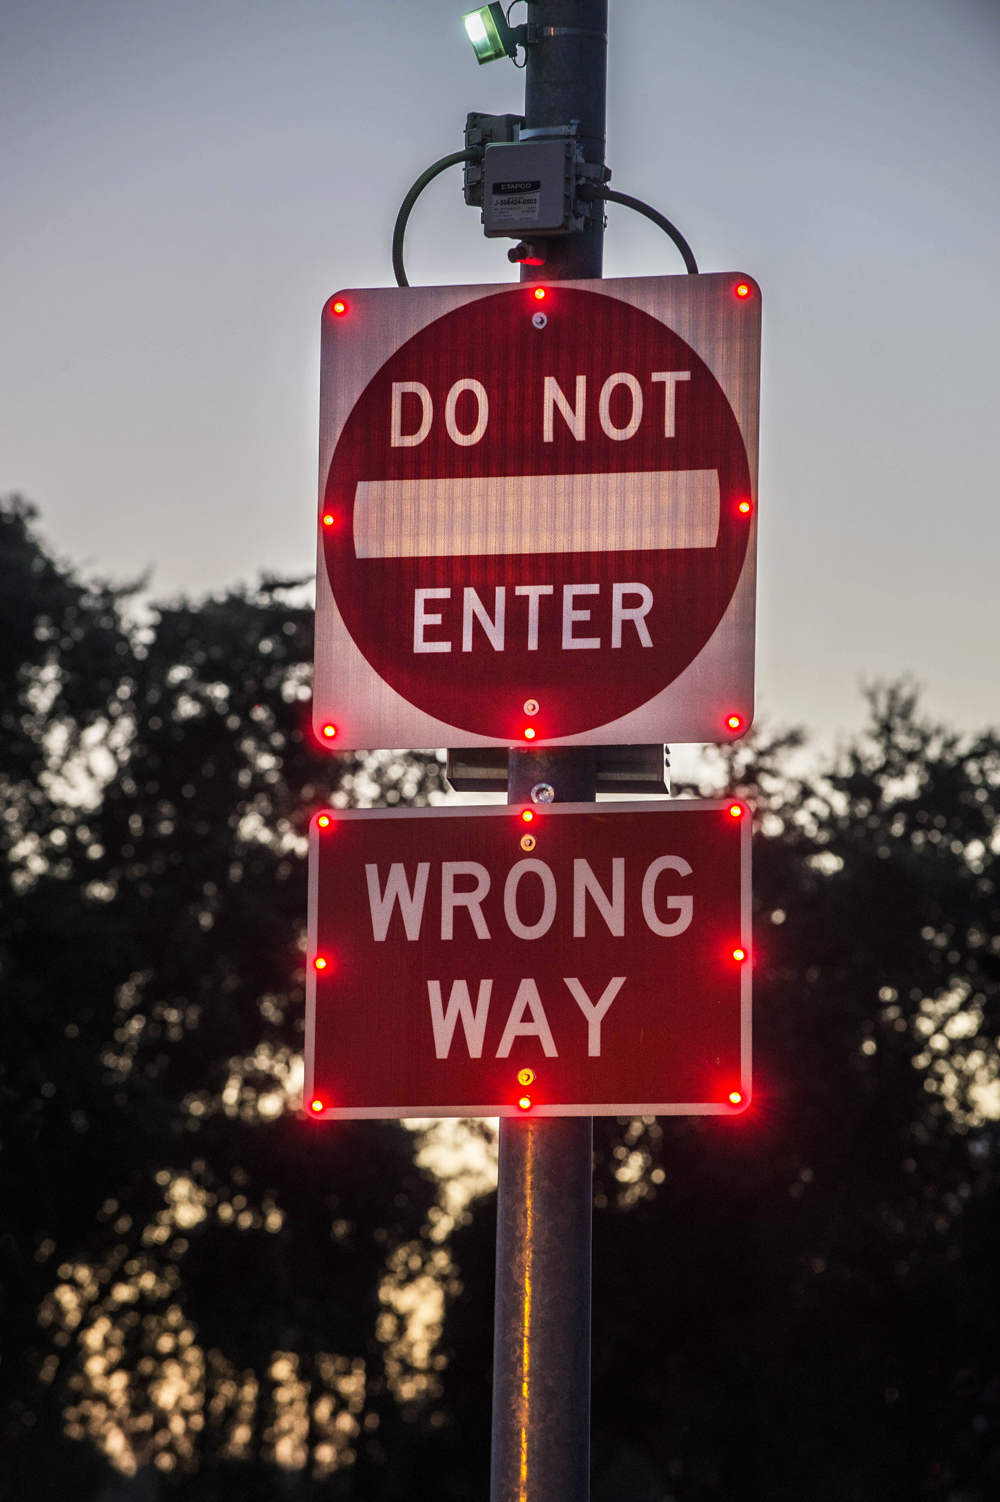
pixel 489 33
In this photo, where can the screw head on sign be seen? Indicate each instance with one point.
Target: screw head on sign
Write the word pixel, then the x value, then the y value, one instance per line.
pixel 527 842
pixel 539 320
pixel 524 1103
pixel 735 1098
pixel 531 706
pixel 543 792
pixel 526 1077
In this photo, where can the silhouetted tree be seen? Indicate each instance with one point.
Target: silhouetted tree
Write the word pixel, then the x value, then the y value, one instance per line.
pixel 193 1277
pixel 797 1303
pixel 803 1302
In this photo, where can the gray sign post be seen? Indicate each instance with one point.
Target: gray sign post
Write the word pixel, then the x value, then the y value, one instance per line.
pixel 541 1360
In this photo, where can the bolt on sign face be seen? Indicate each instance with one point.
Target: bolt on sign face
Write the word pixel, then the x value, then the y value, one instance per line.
pixel 541 493
pixel 450 973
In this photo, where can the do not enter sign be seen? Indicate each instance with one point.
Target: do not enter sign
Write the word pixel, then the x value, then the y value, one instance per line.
pixel 560 960
pixel 538 513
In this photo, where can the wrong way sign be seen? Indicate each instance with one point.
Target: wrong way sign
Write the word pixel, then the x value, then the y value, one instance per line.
pixel 560 960
pixel 538 513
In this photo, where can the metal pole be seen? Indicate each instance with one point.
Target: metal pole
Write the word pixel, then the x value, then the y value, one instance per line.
pixel 541 1361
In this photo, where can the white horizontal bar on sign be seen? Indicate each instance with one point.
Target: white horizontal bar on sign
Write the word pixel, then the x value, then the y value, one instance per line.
pixel 471 518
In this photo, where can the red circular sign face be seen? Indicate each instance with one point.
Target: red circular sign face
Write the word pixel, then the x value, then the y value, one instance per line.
pixel 537 503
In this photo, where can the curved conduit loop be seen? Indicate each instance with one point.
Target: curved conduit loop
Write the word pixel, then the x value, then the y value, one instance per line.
pixel 608 195
pixel 404 209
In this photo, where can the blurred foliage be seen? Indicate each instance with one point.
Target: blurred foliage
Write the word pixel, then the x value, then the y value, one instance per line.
pixel 194 1278
pixel 205 1292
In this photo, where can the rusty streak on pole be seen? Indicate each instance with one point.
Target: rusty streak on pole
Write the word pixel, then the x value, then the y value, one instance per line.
pixel 541 1361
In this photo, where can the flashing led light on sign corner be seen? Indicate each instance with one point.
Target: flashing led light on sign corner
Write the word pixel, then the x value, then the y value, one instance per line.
pixel 540 293
pixel 734 722
pixel 340 306
pixel 329 731
pixel 529 734
pixel 735 1098
pixel 739 955
pixel 524 1103
pixel 745 507
pixel 328 520
pixel 319 962
pixel 742 289
pixel 527 816
pixel 323 821
pixel 736 810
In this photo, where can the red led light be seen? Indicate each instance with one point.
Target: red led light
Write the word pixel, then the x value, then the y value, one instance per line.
pixel 735 811
pixel 329 731
pixel 734 722
pixel 745 507
pixel 527 816
pixel 735 1098
pixel 529 734
pixel 525 1103
pixel 328 520
pixel 316 1105
pixel 320 962
pixel 323 821
pixel 540 293
pixel 742 289
pixel 340 307
pixel 739 955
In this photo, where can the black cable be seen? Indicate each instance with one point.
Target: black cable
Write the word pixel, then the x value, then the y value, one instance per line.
pixel 507 19
pixel 410 200
pixel 611 196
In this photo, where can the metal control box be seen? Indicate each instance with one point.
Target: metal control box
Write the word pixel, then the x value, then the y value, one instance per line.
pixel 529 188
pixel 482 131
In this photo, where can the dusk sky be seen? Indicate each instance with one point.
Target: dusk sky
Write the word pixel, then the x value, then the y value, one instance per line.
pixel 184 185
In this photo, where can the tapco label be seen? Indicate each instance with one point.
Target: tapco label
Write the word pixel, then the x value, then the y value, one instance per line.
pixel 558 960
pixel 516 200
pixel 540 495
